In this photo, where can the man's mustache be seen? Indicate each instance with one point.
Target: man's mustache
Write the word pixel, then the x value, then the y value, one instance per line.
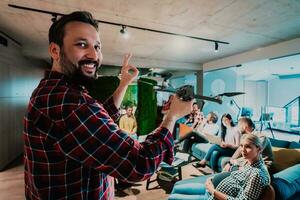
pixel 87 62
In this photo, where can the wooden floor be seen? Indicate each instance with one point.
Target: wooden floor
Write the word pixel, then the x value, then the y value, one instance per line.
pixel 12 185
pixel 12 182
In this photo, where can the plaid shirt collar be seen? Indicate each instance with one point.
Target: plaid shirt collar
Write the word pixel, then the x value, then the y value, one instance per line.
pixel 63 80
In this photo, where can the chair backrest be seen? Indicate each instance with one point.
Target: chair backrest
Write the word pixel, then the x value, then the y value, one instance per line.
pixel 184 129
pixel 268 193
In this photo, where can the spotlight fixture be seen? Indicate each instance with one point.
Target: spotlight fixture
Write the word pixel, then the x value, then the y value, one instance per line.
pixel 124 26
pixel 216 47
pixel 54 18
pixel 124 32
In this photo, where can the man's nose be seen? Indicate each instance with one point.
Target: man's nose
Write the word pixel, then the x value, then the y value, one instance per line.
pixel 92 53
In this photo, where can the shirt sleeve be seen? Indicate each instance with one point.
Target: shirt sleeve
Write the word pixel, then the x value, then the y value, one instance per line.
pixel 92 138
pixel 253 189
pixel 112 110
pixel 121 123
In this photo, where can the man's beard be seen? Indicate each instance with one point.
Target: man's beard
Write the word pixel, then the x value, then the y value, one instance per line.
pixel 74 71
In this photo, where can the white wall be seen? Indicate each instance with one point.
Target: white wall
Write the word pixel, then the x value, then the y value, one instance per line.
pixel 227 80
pixel 18 77
pixel 282 91
pixel 255 96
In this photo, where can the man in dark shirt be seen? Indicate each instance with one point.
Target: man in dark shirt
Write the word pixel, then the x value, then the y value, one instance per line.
pixel 72 146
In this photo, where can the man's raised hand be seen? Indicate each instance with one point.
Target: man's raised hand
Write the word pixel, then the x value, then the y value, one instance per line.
pixel 128 71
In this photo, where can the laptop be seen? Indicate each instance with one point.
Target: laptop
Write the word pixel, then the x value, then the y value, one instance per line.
pixel 213 139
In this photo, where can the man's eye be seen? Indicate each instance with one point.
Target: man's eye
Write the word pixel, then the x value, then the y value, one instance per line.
pixel 83 45
pixel 98 48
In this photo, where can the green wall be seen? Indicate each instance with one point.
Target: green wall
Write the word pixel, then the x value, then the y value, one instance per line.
pixel 147 106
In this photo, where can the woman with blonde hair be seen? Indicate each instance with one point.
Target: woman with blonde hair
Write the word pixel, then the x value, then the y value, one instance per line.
pixel 246 183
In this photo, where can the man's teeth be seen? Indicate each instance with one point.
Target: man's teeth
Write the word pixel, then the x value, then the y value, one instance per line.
pixel 89 65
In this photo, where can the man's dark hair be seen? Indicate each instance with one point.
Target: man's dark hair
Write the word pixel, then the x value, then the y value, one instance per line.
pixel 57 29
pixel 214 117
pixel 248 121
pixel 129 106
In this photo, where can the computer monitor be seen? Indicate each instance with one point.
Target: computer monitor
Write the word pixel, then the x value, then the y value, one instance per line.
pixel 246 112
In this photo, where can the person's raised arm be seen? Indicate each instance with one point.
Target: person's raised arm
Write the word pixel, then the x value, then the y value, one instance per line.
pixel 128 74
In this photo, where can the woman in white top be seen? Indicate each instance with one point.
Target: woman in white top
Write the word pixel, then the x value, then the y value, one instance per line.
pixel 230 137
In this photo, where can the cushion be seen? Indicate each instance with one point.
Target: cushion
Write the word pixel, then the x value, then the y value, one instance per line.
pixel 287 182
pixel 200 179
pixel 184 129
pixel 187 197
pixel 199 150
pixel 294 145
pixel 284 158
pixel 279 143
pixel 190 188
pixel 284 189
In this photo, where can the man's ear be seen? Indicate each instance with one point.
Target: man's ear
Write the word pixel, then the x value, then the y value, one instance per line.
pixel 54 51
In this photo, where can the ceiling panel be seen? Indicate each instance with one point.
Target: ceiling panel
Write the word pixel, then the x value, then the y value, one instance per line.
pixel 246 24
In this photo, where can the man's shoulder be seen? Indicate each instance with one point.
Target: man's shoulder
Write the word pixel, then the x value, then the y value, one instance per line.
pixel 123 116
pixel 263 138
pixel 56 95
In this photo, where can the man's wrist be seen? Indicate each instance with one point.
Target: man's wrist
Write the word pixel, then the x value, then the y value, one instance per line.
pixel 123 85
pixel 168 122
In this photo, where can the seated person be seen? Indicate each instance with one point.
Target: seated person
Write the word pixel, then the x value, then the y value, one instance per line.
pixel 230 137
pixel 191 118
pixel 246 183
pixel 128 122
pixel 246 126
pixel 205 126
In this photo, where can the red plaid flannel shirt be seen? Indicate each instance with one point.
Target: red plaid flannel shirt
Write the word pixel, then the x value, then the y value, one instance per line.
pixel 73 148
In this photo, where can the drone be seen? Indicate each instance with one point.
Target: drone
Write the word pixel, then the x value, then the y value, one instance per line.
pixel 186 92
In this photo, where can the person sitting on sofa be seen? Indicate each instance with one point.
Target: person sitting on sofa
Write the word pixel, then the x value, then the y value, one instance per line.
pixel 246 183
pixel 230 137
pixel 191 118
pixel 206 125
pixel 246 126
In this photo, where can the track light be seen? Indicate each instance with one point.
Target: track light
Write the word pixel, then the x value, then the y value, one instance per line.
pixel 54 18
pixel 124 26
pixel 123 31
pixel 216 47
